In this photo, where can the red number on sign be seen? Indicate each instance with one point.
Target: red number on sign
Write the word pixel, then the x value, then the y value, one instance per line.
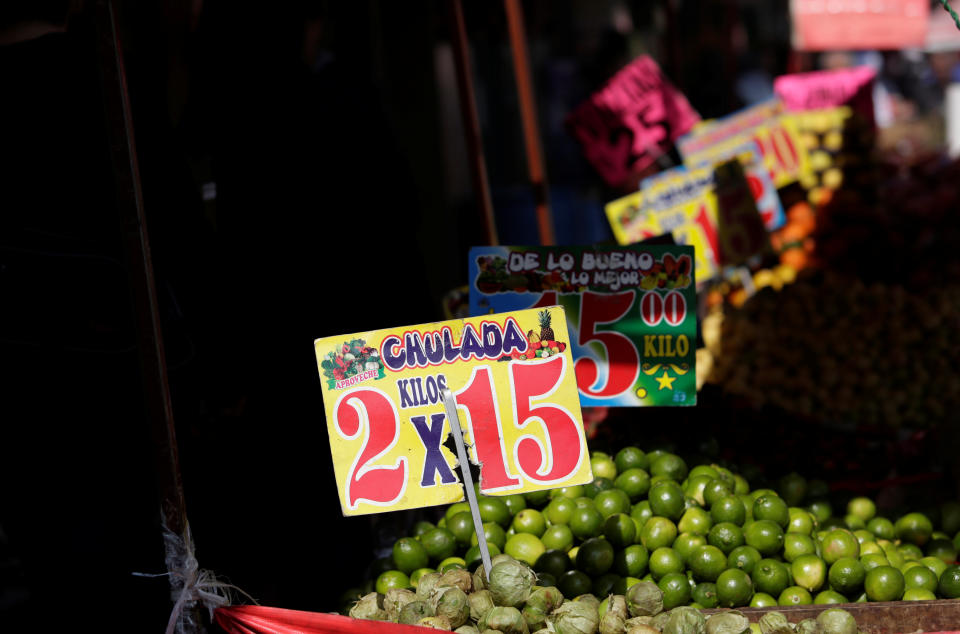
pixel 784 150
pixel 709 231
pixel 371 408
pixel 674 308
pixel 563 452
pixel 549 298
pixel 651 308
pixel 623 359
pixel 479 400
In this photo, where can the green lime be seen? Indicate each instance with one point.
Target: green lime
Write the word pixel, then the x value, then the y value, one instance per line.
pixel 942 549
pixel 571 492
pixel 729 509
pixel 801 521
pixel 759 493
pixel 796 544
pixel 705 593
pixel 773 508
pixel 525 547
pixel 453 509
pixel 611 502
pixel 747 505
pixel 838 544
pixel 740 485
pixel 631 561
pixel 641 512
pixel 603 467
pixel 706 562
pixel 918 594
pixel 529 521
pixel 846 576
pixel 864 535
pixel 452 562
pixel 656 453
pixel 620 530
pixel 658 532
pixel 795 595
pixel 853 522
pixel 515 503
pixel 882 528
pixel 914 528
pixel 417 574
pixel 586 522
pixel 667 500
pixel 912 552
pixel 686 542
pixel 422 527
pixel 694 485
pixel 631 458
pixel 546 580
pixel 595 556
pixel 675 589
pixel 949 584
pixel 873 560
pixel 892 553
pixel 664 560
pixel 793 488
pixel 554 562
pixel 409 554
pixel 572 553
pixel 871 548
pixel 884 583
pixel 821 509
pixel 734 588
pixel 935 564
pixel 493 534
pixel 745 558
pixel 573 583
pixel 862 507
pixel 762 600
pixel 599 484
pixel 439 543
pixel 715 490
pixel 559 510
pixel 920 577
pixel 809 571
pixel 726 536
pixel 829 597
pixel 558 537
pixel 604 584
pixel 764 535
pixel 537 499
pixel 461 526
pixel 392 579
pixel 472 556
pixel 494 510
pixel 695 520
pixel 635 483
pixel 669 465
pixel 703 470
pixel 770 576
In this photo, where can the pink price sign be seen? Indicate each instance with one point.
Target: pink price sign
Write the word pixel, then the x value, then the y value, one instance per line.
pixel 630 122
pixel 823 89
pixel 823 25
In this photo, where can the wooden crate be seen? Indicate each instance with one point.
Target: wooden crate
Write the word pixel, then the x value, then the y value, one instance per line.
pixel 894 617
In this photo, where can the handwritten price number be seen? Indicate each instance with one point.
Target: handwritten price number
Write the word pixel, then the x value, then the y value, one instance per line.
pixel 779 152
pixel 370 412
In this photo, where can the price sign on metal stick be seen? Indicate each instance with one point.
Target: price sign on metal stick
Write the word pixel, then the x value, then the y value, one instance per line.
pixel 383 396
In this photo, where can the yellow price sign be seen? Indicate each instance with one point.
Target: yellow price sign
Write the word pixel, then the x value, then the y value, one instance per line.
pixel 517 398
pixel 630 221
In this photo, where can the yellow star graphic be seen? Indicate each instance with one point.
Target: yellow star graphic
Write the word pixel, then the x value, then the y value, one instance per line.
pixel 665 381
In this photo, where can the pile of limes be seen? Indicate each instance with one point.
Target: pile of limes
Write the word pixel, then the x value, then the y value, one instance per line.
pixel 700 534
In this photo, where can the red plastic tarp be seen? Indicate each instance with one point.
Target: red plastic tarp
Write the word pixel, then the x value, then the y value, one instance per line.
pixel 255 619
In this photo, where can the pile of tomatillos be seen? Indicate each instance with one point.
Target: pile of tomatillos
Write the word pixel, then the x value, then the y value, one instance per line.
pixel 700 535
pixel 511 602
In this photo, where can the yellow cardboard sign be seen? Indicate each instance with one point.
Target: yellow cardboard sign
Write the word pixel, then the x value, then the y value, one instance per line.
pixel 775 131
pixel 629 220
pixel 516 395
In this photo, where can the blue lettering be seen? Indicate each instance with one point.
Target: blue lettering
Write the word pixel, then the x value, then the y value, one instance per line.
pixel 414 346
pixel 450 351
pixel 513 338
pixel 431 438
pixel 405 400
pixel 433 393
pixel 394 362
pixel 433 345
pixel 492 340
pixel 470 344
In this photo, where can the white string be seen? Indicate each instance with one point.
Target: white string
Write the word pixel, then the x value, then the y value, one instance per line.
pixel 189 584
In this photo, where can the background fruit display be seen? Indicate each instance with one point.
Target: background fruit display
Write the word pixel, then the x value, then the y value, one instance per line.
pixel 700 534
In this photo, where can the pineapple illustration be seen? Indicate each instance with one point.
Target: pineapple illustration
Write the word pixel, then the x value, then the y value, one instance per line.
pixel 546 332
